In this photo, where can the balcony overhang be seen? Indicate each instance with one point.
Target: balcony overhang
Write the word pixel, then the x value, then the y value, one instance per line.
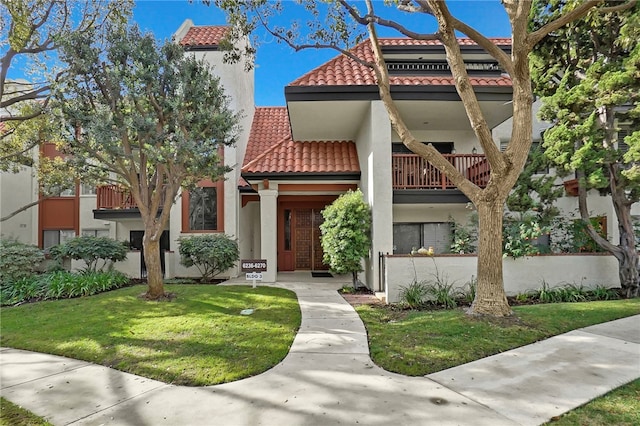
pixel 115 214
pixel 428 196
pixel 341 119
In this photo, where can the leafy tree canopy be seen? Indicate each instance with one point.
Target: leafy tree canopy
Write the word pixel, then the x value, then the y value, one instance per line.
pixel 149 118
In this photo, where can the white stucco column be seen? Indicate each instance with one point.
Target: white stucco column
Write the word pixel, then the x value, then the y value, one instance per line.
pixel 268 232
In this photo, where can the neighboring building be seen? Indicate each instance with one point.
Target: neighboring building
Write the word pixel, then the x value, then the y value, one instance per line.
pixel 333 135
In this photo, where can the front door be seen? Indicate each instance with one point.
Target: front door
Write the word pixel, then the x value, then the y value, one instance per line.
pixel 299 236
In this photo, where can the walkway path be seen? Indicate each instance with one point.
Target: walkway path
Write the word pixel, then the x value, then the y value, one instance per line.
pixel 328 378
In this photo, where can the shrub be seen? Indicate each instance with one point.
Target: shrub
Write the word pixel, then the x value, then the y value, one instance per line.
pixel 520 236
pixel 18 260
pixel 211 254
pixel 92 250
pixel 345 234
pixel 414 294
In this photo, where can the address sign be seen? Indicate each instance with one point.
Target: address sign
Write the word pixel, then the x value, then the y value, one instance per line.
pixel 253 265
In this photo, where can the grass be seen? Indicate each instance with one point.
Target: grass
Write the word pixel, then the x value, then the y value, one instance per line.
pixel 198 339
pixel 619 407
pixel 416 343
pixel 14 415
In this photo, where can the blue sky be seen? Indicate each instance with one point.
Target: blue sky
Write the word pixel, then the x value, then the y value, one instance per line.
pixel 277 64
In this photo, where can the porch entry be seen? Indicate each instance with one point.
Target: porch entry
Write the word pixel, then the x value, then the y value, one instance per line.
pixel 135 242
pixel 299 246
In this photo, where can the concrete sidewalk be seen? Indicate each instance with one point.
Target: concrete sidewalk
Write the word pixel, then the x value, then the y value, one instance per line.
pixel 328 378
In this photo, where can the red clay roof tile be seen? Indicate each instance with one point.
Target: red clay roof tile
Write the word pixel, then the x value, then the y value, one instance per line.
pixel 271 150
pixel 209 35
pixel 344 71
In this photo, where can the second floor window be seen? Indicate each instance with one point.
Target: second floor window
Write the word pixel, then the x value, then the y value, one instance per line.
pixel 203 209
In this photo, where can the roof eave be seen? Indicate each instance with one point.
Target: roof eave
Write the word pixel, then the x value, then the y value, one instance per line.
pixel 398 92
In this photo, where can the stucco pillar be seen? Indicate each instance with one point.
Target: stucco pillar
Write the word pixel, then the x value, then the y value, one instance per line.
pixel 268 232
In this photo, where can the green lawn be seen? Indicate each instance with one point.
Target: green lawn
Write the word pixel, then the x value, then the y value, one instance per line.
pixel 620 407
pixel 198 339
pixel 416 343
pixel 13 415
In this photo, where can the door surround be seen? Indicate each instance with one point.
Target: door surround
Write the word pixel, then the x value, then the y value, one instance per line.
pixel 288 245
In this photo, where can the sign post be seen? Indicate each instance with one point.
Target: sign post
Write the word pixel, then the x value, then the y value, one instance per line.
pixel 254 269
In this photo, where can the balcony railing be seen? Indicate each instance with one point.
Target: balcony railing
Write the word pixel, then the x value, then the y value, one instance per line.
pixel 411 171
pixel 114 197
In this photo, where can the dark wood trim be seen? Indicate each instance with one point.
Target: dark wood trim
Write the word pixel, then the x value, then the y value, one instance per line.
pixel 428 196
pixel 207 183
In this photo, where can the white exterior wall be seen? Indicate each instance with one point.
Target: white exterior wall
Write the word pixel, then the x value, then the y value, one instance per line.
pixel 520 275
pixel 374 153
pixel 17 190
pixel 249 237
pixel 87 205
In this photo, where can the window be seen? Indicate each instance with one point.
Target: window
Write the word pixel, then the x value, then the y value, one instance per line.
pixel 407 236
pixel 95 233
pixel 202 208
pixel 52 238
pixel 622 145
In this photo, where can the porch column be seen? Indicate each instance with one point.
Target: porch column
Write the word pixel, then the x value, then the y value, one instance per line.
pixel 269 232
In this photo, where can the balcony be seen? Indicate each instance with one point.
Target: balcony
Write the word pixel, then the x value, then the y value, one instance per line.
pixel 115 202
pixel 114 197
pixel 410 171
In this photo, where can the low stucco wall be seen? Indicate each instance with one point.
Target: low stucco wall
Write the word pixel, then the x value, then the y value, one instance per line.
pixel 520 275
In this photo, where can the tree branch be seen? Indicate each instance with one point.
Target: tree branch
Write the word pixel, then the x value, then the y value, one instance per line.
pixel 577 13
pixel 23 208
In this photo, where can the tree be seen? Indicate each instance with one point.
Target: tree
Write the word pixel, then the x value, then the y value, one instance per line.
pixel 150 118
pixel 30 34
pixel 337 23
pixel 589 73
pixel 345 234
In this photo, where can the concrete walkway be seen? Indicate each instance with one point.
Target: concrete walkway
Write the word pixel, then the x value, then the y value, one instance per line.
pixel 328 378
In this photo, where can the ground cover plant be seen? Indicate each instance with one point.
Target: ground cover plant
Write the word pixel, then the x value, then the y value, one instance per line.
pixel 619 407
pixel 416 343
pixel 59 285
pixel 199 338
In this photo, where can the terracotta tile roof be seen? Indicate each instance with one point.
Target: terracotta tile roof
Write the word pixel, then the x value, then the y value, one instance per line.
pixel 344 71
pixel 209 35
pixel 270 125
pixel 272 150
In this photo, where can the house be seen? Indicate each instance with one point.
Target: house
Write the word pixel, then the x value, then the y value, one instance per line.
pixel 333 135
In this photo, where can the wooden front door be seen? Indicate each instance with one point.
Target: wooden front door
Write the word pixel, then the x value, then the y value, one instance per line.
pixel 299 236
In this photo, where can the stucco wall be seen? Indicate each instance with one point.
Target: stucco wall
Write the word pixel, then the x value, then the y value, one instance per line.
pixel 520 275
pixel 373 144
pixel 17 190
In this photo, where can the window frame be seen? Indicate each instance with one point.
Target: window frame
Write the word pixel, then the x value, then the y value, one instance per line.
pixel 207 183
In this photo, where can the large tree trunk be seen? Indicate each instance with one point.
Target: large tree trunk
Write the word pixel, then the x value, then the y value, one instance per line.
pixel 490 295
pixel 629 272
pixel 628 259
pixel 151 244
pixel 625 251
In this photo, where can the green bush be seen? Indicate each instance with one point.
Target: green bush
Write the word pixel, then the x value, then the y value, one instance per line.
pixel 345 234
pixel 91 250
pixel 211 254
pixel 18 261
